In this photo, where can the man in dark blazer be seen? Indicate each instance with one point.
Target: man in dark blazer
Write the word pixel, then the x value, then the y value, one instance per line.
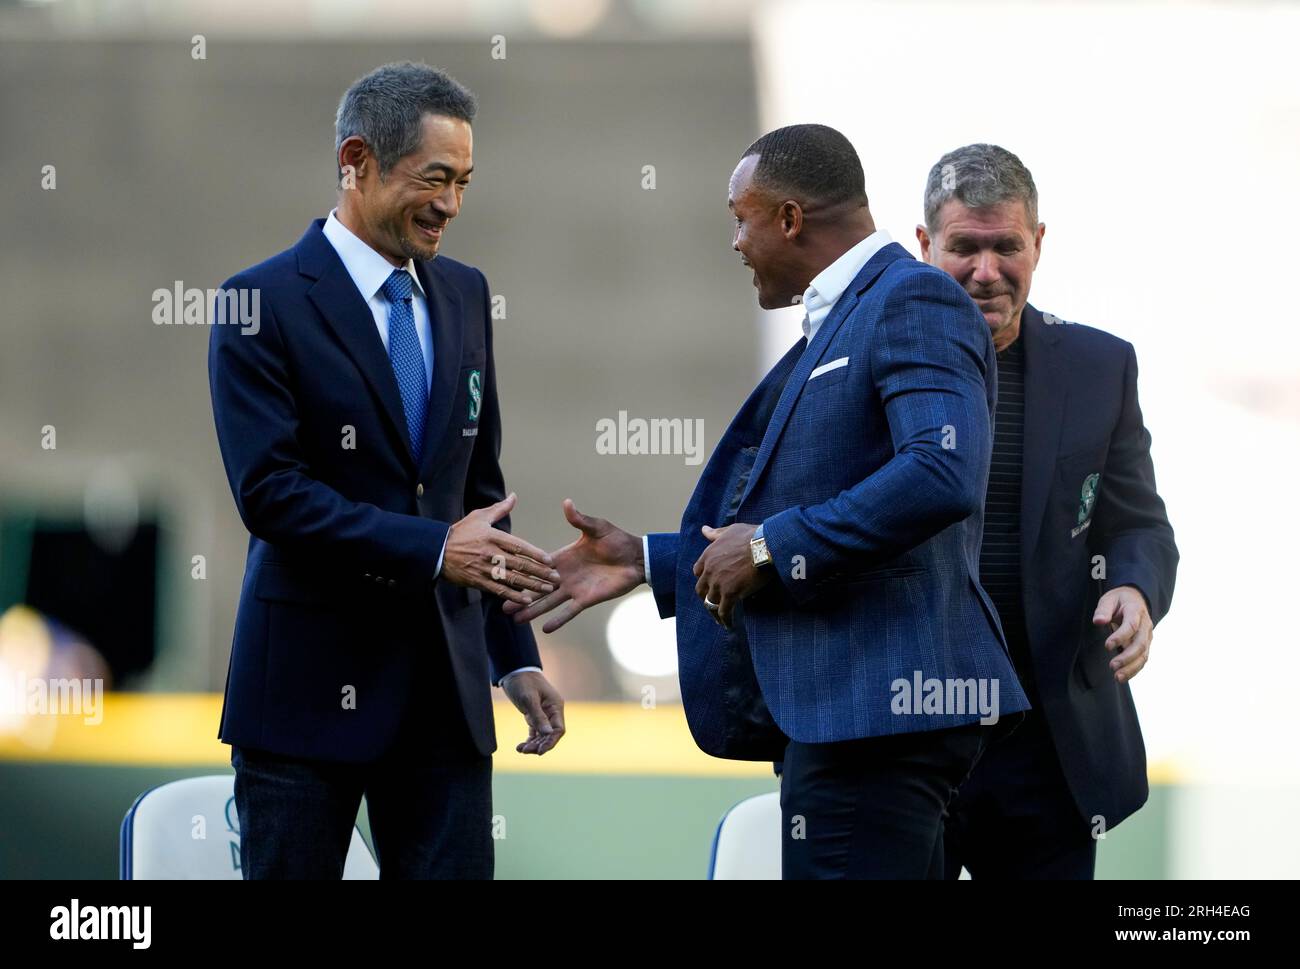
pixel 359 427
pixel 824 576
pixel 1077 553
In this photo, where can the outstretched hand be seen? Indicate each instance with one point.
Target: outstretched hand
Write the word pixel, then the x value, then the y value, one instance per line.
pixel 482 556
pixel 604 563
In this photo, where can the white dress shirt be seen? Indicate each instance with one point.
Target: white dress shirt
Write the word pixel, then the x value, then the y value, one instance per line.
pixel 818 300
pixel 829 285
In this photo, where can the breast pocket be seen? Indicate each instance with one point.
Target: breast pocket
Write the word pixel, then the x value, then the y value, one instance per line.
pixel 468 407
pixel 1080 478
pixel 827 379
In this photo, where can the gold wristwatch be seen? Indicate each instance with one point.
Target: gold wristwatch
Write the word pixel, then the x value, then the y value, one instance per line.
pixel 758 549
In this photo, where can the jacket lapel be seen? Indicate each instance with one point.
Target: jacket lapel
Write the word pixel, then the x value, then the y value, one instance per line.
pixel 1045 397
pixel 347 314
pixel 446 319
pixel 813 355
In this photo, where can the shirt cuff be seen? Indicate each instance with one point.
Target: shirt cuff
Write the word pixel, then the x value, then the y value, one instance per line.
pixel 645 556
pixel 438 571
pixel 522 669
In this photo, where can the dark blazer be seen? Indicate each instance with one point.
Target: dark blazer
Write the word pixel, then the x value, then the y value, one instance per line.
pixel 869 478
pixel 338 591
pixel 1082 419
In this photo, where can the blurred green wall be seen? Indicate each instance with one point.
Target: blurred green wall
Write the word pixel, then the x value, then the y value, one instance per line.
pixel 65 824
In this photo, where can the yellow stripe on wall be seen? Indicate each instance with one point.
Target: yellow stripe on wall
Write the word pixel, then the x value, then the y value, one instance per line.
pixel 160 729
pixel 180 729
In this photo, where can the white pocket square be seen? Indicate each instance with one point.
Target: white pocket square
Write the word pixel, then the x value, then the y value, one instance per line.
pixel 828 367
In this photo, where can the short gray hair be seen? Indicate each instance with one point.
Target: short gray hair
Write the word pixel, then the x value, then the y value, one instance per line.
pixel 979 176
pixel 386 108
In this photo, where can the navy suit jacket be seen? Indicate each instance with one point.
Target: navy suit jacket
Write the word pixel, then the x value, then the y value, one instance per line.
pixel 1082 419
pixel 338 592
pixel 870 480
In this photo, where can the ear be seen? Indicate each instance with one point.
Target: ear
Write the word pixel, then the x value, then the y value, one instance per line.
pixel 923 238
pixel 354 152
pixel 791 215
pixel 1038 242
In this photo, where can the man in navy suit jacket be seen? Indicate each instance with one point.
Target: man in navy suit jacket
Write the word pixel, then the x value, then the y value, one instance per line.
pixel 1078 553
pixel 359 427
pixel 825 574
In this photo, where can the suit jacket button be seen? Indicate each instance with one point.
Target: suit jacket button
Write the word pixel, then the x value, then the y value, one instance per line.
pixel 419 491
pixel 367 575
pixel 391 583
pixel 379 578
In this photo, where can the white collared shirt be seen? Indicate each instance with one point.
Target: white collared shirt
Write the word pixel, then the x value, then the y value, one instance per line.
pixel 829 285
pixel 369 271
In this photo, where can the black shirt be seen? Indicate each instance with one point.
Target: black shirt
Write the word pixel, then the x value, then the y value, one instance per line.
pixel 1000 552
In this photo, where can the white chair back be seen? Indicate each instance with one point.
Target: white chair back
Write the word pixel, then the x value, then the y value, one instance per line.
pixel 189 829
pixel 747 845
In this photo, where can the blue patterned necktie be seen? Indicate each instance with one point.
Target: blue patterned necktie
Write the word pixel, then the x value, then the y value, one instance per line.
pixel 406 358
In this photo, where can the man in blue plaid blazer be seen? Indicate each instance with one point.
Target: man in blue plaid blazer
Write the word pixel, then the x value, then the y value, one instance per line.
pixel 825 574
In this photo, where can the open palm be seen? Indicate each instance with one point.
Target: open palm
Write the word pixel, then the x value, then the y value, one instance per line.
pixel 604 563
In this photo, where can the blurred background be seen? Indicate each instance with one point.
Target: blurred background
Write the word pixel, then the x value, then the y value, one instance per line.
pixel 149 146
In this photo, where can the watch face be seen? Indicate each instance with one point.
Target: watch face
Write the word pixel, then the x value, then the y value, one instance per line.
pixel 759 550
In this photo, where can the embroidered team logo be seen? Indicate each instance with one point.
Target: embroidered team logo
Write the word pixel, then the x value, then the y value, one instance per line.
pixel 475 393
pixel 1087 500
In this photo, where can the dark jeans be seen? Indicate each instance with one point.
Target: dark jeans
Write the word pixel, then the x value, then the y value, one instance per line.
pixel 872 808
pixel 1015 818
pixel 427 820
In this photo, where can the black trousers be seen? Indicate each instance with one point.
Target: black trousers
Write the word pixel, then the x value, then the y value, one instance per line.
pixel 429 798
pixel 1015 818
pixel 873 808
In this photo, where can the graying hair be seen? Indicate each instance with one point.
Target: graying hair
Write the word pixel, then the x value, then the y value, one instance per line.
pixel 386 108
pixel 979 176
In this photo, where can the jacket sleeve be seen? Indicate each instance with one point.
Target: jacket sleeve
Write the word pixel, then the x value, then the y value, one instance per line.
pixel 1132 531
pixel 661 562
pixel 928 360
pixel 256 416
pixel 510 645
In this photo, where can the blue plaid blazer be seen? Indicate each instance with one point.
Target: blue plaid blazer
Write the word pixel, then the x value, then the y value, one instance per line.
pixel 865 455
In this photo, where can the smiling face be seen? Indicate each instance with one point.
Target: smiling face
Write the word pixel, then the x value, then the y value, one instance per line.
pixel 403 214
pixel 992 252
pixel 764 230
